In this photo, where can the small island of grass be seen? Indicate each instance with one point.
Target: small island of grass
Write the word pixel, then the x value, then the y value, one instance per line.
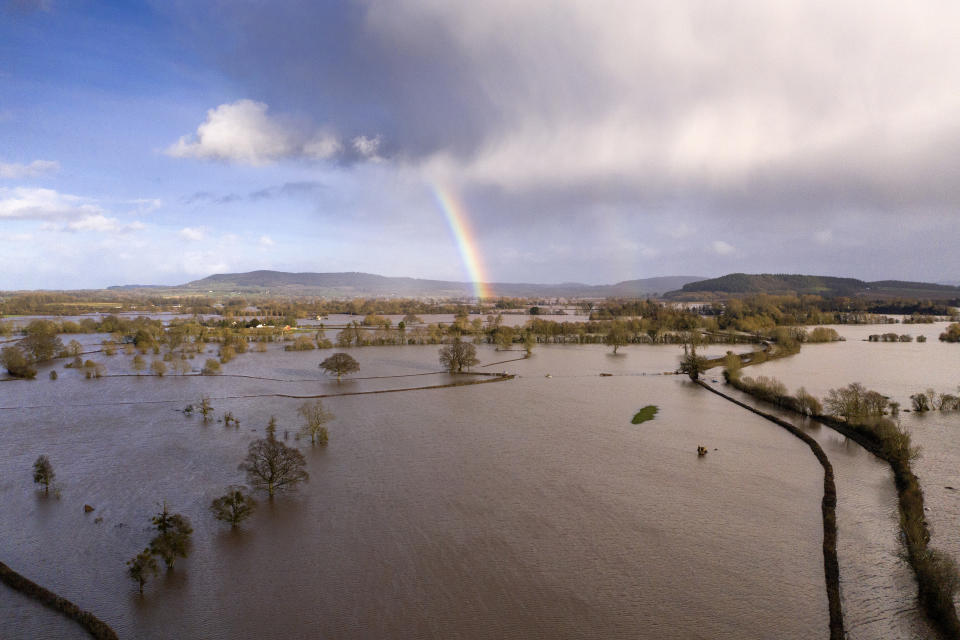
pixel 645 414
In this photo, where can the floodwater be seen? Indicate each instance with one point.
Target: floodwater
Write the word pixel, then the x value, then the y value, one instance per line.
pixel 529 508
pixel 897 370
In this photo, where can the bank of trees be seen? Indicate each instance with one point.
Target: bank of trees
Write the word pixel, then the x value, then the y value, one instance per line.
pixel 930 400
pixel 889 337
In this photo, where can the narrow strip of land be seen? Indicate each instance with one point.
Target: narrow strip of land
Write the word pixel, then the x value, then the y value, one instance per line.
pixel 91 623
pixel 828 507
pixel 488 378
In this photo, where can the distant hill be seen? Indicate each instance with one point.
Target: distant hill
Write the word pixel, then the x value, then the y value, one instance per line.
pixel 356 284
pixel 745 283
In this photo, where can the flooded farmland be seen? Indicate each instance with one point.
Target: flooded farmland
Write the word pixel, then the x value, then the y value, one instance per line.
pixel 525 508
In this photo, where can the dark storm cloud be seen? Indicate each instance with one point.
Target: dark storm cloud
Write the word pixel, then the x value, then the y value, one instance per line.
pixel 799 115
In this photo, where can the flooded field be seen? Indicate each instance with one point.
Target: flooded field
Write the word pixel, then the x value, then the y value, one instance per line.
pixel 897 370
pixel 525 508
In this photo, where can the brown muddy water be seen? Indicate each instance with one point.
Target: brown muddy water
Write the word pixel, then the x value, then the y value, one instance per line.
pixel 525 508
pixel 897 370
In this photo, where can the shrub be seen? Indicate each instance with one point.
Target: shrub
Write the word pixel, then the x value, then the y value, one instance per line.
pixel 211 367
pixel 952 334
pixel 302 343
pixel 15 360
pixel 807 403
pixel 227 353
pixel 823 334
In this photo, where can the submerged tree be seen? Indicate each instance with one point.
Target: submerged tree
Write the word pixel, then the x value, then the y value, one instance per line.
pixel 458 355
pixel 504 338
pixel 205 408
pixel 158 368
pixel 273 466
pixel 691 363
pixel 41 341
pixel 340 364
pixel 173 536
pixel 315 419
pixel 529 342
pixel 141 567
pixel 616 337
pixel 43 473
pixel 16 362
pixel 211 367
pixel 234 506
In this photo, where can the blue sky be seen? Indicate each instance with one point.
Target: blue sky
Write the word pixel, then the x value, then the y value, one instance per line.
pixel 158 142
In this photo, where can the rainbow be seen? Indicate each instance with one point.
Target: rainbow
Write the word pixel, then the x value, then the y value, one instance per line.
pixel 466 239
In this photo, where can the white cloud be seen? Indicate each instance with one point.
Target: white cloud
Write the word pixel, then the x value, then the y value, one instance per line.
pixel 266 241
pixel 14 171
pixel 102 224
pixel 367 147
pixel 245 133
pixel 193 234
pixel 242 132
pixel 61 211
pixel 824 236
pixel 322 146
pixel 722 248
pixel 143 206
pixel 25 203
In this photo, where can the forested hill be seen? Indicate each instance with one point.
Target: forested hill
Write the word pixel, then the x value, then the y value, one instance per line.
pixel 746 283
pixel 355 284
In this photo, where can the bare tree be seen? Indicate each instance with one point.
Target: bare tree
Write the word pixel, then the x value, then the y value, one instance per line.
pixel 340 364
pixel 458 355
pixel 315 419
pixel 273 466
pixel 43 473
pixel 234 506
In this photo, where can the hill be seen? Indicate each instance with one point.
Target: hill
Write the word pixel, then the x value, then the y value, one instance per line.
pixel 745 283
pixel 357 284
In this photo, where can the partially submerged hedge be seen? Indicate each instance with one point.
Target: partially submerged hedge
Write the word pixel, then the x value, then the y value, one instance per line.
pixel 94 626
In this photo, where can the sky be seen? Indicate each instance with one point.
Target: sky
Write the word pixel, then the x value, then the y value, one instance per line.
pixel 160 142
